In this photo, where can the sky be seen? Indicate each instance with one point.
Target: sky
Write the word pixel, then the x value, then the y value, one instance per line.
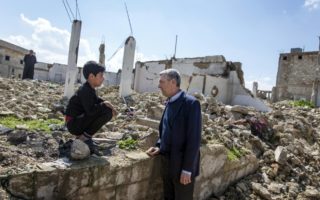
pixel 253 32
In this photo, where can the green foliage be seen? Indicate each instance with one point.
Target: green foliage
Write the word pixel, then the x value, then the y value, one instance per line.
pixel 35 124
pixel 128 144
pixel 302 103
pixel 234 153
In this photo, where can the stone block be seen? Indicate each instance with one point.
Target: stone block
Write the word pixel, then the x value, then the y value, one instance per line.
pixel 155 112
pixel 21 186
pixel 103 177
pixel 46 184
pixel 123 176
pixel 148 189
pixel 280 155
pixel 148 122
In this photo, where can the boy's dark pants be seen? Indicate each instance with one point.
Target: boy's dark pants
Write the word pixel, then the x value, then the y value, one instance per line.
pixel 89 124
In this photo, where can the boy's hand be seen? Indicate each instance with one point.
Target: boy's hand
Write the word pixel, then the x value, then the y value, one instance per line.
pixel 109 105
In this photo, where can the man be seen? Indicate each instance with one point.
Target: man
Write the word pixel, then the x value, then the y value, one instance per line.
pixel 179 141
pixel 29 61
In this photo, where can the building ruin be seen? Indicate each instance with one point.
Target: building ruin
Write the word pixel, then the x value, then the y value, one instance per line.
pixel 11 66
pixel 11 59
pixel 210 75
pixel 297 76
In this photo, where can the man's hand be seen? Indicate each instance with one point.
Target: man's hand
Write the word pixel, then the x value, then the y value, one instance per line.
pixel 109 105
pixel 185 178
pixel 153 151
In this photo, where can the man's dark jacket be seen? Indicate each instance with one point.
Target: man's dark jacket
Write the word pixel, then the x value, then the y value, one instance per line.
pixel 184 135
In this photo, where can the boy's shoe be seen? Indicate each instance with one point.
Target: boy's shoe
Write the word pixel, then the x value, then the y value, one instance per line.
pixel 93 147
pixel 65 148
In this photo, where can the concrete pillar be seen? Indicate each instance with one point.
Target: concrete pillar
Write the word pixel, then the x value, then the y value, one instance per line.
pixel 274 95
pixel 102 56
pixel 319 52
pixel 315 96
pixel 127 66
pixel 72 70
pixel 255 89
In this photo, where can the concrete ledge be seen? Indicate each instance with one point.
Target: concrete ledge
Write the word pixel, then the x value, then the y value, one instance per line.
pixel 133 176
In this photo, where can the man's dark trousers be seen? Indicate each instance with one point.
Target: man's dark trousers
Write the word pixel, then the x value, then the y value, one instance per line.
pixel 172 188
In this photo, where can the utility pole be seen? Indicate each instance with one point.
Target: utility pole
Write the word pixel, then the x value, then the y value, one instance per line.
pixel 72 69
pixel 127 67
pixel 175 47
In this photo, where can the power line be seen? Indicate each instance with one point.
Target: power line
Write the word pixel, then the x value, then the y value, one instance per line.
pixel 78 9
pixel 70 9
pixel 67 11
pixel 128 18
pixel 121 45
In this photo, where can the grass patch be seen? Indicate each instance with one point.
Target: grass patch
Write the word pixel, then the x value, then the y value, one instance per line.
pixel 35 124
pixel 235 154
pixel 302 103
pixel 128 144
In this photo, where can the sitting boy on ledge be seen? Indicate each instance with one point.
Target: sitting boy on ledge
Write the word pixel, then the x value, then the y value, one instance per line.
pixel 86 113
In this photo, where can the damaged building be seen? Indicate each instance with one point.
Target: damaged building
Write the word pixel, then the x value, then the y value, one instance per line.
pixel 210 75
pixel 11 66
pixel 298 76
pixel 11 59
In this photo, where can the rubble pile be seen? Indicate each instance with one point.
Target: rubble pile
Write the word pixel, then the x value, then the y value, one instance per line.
pixel 287 143
pixel 286 140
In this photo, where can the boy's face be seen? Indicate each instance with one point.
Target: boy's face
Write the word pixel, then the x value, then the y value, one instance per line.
pixel 96 80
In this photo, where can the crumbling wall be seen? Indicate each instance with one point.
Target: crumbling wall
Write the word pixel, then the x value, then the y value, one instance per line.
pixel 8 67
pixel 296 74
pixel 211 75
pixel 136 177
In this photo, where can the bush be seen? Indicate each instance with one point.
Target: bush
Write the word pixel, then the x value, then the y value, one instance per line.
pixel 128 144
pixel 35 124
pixel 302 103
pixel 234 153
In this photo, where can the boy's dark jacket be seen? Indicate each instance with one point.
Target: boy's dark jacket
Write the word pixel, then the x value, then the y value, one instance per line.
pixel 185 135
pixel 84 101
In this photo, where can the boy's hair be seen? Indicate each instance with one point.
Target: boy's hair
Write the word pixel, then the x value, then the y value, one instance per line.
pixel 92 67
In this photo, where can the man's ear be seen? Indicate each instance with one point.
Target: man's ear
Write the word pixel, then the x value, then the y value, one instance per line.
pixel 174 82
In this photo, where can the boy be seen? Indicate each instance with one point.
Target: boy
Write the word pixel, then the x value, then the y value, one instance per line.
pixel 86 113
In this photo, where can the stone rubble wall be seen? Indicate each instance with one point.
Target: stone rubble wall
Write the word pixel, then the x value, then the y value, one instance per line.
pixel 136 177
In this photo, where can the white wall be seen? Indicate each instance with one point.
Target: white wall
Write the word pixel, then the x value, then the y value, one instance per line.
pixel 57 73
pixel 199 75
pixel 147 76
pixel 41 71
pixel 111 78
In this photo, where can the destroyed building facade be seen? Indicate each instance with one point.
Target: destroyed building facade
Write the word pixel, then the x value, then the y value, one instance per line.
pixel 11 59
pixel 297 77
pixel 210 75
pixel 11 66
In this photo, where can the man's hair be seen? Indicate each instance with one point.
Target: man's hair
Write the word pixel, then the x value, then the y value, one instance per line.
pixel 92 67
pixel 172 74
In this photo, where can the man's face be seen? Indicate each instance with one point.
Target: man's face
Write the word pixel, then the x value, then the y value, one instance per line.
pixel 96 80
pixel 167 86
